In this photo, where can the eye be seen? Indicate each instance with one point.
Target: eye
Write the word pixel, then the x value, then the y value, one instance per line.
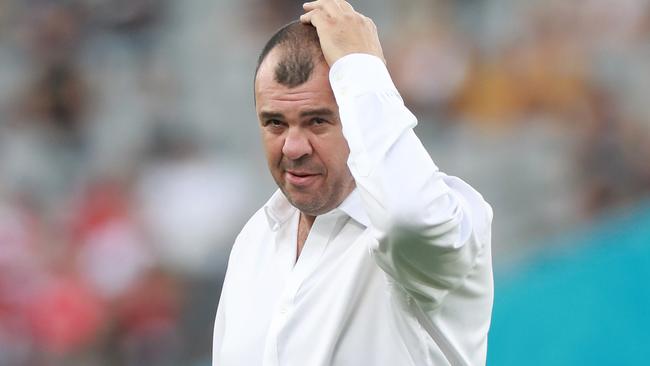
pixel 273 123
pixel 318 121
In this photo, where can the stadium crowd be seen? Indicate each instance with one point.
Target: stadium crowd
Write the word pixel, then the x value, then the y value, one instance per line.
pixel 129 156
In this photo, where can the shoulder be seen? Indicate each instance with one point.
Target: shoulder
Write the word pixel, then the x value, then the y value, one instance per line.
pixel 255 228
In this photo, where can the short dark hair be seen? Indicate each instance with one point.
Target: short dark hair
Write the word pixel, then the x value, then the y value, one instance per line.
pixel 300 53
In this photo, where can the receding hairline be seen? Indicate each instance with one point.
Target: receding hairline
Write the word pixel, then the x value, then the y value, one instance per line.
pixel 299 52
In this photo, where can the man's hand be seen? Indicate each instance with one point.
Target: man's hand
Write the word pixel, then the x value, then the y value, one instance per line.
pixel 342 30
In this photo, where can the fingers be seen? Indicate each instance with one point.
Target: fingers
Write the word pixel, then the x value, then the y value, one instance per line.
pixel 311 6
pixel 330 6
pixel 341 29
pixel 314 12
pixel 319 10
pixel 311 17
pixel 346 6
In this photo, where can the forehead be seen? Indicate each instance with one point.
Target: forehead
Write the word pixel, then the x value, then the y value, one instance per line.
pixel 273 96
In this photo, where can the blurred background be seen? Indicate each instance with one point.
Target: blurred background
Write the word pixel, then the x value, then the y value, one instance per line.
pixel 130 159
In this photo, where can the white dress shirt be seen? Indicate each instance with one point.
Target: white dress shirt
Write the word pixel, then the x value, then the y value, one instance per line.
pixel 399 274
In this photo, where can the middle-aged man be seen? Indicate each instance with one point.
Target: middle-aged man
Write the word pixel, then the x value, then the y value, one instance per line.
pixel 367 254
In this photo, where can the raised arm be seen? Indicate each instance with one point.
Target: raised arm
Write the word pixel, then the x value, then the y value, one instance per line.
pixel 430 228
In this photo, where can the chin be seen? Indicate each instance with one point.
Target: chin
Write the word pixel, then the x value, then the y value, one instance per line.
pixel 306 205
pixel 303 204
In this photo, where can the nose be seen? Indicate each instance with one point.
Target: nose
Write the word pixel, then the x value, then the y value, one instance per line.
pixel 296 144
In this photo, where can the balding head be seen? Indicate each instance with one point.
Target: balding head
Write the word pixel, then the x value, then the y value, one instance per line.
pixel 298 50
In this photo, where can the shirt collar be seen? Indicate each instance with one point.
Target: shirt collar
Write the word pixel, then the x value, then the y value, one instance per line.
pixel 278 209
pixel 353 207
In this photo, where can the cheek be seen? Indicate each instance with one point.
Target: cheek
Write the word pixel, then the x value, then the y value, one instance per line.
pixel 272 147
pixel 340 148
pixel 336 155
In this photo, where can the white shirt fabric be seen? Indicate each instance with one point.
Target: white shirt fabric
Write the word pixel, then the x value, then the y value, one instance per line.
pixel 399 274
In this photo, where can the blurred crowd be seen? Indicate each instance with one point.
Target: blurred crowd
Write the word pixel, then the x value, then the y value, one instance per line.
pixel 541 104
pixel 129 156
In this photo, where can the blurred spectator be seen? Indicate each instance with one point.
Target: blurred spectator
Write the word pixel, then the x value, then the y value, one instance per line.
pixel 429 65
pixel 65 315
pixel 106 234
pixel 190 203
pixel 491 95
pixel 50 31
pixel 18 273
pixel 41 138
pixel 614 157
pixel 147 319
pixel 57 100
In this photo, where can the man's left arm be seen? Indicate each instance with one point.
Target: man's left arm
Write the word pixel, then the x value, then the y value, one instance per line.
pixel 430 228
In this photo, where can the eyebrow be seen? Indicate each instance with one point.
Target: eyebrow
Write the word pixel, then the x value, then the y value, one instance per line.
pixel 325 112
pixel 271 115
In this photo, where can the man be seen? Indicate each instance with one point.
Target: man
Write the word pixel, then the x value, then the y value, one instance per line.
pixel 367 254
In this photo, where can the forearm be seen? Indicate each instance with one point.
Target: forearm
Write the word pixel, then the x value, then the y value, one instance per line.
pixel 429 227
pixel 396 175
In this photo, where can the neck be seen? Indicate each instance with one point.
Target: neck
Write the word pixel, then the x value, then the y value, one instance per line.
pixel 307 219
pixel 304 226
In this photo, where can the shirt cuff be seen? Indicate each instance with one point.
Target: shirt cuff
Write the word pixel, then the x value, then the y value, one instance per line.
pixel 359 73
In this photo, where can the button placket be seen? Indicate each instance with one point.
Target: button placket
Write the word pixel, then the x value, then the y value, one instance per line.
pixel 317 240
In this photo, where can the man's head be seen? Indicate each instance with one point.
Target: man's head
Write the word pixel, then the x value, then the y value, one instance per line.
pixel 299 120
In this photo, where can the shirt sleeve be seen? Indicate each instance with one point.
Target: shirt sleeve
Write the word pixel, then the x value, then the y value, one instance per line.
pixel 430 227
